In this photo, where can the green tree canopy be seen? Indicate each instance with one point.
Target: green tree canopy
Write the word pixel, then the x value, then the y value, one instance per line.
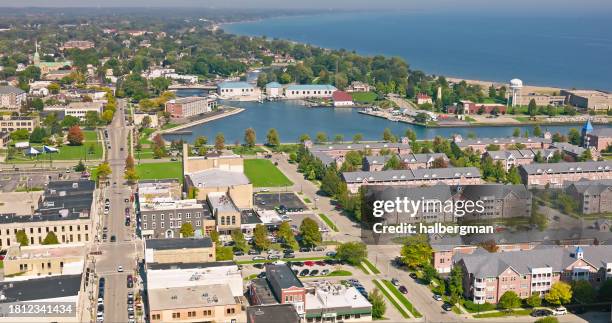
pixel 309 230
pixel 50 238
pixel 187 230
pixel 352 252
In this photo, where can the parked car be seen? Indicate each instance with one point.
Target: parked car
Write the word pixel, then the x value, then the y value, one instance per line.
pixel 238 253
pixel 541 313
pixel 309 263
pixel 258 266
pixel 325 272
pixel 319 248
pixel 261 274
pixel 447 307
pixel 314 272
pixel 130 281
pixel 273 257
pixel 254 252
pixel 107 202
pixel 331 254
pixel 560 311
pixel 413 275
pixel 304 272
pixel 297 264
pixel 113 238
pixel 395 282
pixel 289 255
pixel 437 297
pixel 120 269
pixel 403 289
pixel 304 249
pixel 259 258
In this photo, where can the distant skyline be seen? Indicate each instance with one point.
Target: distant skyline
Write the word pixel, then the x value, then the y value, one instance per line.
pixel 528 6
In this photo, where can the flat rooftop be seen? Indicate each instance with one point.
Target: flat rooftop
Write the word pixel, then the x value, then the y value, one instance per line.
pixel 221 202
pixel 41 288
pixel 179 243
pixel 21 203
pixel 215 177
pixel 49 251
pixel 329 296
pixel 191 297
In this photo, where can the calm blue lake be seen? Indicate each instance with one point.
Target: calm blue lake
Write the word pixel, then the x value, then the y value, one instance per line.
pixel 292 119
pixel 560 49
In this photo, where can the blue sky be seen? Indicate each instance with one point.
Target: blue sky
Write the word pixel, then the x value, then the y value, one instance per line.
pixel 445 5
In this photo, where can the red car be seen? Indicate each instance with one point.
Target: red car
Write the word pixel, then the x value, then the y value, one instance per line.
pixel 320 263
pixel 309 263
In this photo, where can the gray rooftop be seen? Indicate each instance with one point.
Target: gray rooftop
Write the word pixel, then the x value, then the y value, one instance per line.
pixel 41 288
pixel 179 243
pixel 569 148
pixel 494 191
pixel 279 313
pixel 411 174
pixel 10 90
pixel 408 159
pixel 190 265
pixel 281 275
pixel 558 168
pixel 215 177
pixel 358 146
pixel 502 141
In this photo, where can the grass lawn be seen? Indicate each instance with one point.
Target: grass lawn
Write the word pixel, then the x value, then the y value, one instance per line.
pixel 521 312
pixel 244 150
pixel 391 299
pixel 90 135
pixel 170 125
pixel 160 170
pixel 329 222
pixel 401 298
pixel 143 153
pixel 144 136
pixel 364 97
pixel 371 266
pixel 262 173
pixel 67 152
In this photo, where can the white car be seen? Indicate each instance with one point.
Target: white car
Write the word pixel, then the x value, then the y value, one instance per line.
pixel 560 311
pixel 120 269
pixel 437 297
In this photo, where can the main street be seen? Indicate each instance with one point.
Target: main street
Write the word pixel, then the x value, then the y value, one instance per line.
pixel 123 251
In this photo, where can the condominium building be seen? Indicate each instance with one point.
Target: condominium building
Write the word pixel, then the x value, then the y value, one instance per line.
pixel 593 196
pixel 179 250
pixel 499 201
pixel 555 175
pixel 11 123
pixel 408 161
pixel 375 148
pixel 190 106
pixel 303 91
pixel 413 177
pixel 480 144
pixel 487 276
pixel 164 218
pixel 515 158
pixel 11 98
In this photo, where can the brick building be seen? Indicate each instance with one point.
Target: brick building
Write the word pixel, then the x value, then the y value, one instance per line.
pixel 555 175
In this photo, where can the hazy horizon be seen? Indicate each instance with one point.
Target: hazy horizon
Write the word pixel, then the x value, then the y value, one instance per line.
pixel 527 6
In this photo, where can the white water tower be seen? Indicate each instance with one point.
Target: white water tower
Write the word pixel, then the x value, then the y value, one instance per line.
pixel 516 86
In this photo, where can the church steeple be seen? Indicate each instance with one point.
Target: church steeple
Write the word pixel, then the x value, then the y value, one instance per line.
pixel 36 54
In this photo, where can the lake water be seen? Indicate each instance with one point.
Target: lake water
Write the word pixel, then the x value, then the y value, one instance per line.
pixel 564 50
pixel 292 119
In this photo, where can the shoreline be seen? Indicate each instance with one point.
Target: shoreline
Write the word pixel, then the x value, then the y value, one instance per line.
pixel 230 111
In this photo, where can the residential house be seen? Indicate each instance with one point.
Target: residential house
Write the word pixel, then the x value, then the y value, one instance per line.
pixel 557 174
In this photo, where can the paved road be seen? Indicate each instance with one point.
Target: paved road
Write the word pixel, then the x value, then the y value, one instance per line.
pixel 123 252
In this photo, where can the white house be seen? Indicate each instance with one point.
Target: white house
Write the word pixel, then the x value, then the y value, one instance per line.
pixel 236 89
pixel 274 90
pixel 303 91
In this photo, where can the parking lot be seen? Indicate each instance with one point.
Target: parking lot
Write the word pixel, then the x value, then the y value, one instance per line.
pixel 11 180
pixel 271 201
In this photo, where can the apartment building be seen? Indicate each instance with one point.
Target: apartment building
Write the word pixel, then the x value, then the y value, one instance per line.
pixel 164 218
pixel 556 175
pixel 480 144
pixel 179 250
pixel 500 201
pixel 10 123
pixel 11 98
pixel 589 99
pixel 44 260
pixel 593 196
pixel 190 106
pixel 413 177
pixel 65 208
pixel 510 158
pixel 375 148
pixel 409 161
pixel 487 276
pixel 303 91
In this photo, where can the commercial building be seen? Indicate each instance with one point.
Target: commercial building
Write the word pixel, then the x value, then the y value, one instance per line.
pixel 274 90
pixel 179 250
pixel 413 177
pixel 210 303
pixel 589 99
pixel 557 174
pixel 342 99
pixel 284 313
pixel 223 160
pixel 540 99
pixel 499 201
pixel 327 301
pixel 225 212
pixel 228 90
pixel 65 208
pixel 480 144
pixel 409 161
pixel 236 185
pixel 487 276
pixel 159 190
pixel 65 289
pixel 11 98
pixel 469 107
pixel 77 109
pixel 190 106
pixel 10 123
pixel 593 196
pixel 281 286
pixel 78 44
pixel 304 91
pixel 47 260
pixel 164 218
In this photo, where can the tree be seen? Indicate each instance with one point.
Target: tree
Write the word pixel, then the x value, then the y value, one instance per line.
pixel 200 141
pixel 219 141
pixel 331 182
pixel 250 137
pixel 107 116
pixel 532 108
pixel 352 252
pixel 388 135
pixel 240 242
pixel 260 237
pixel 393 163
pixel 537 131
pixel 416 255
pixel 70 121
pixel 286 233
pixel 214 236
pixel 411 135
pixel 516 132
pixel 103 171
pixel 455 284
pixel 573 136
pixel 309 230
pixel 560 293
pixel 357 138
pixel 429 273
pixel 439 162
pixel 80 167
pixel 583 292
pixel 304 137
pixel 91 119
pixel 22 237
pixel 321 138
pixel 509 300
pixel 223 253
pixel 378 304
pixel 513 176
pixel 75 136
pixel 605 291
pixel 129 162
pixel 534 300
pixel 272 138
pixel 131 175
pixel 338 138
pixel 20 134
pixel 38 135
pixel 50 238
pixel 160 84
pixel 586 155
